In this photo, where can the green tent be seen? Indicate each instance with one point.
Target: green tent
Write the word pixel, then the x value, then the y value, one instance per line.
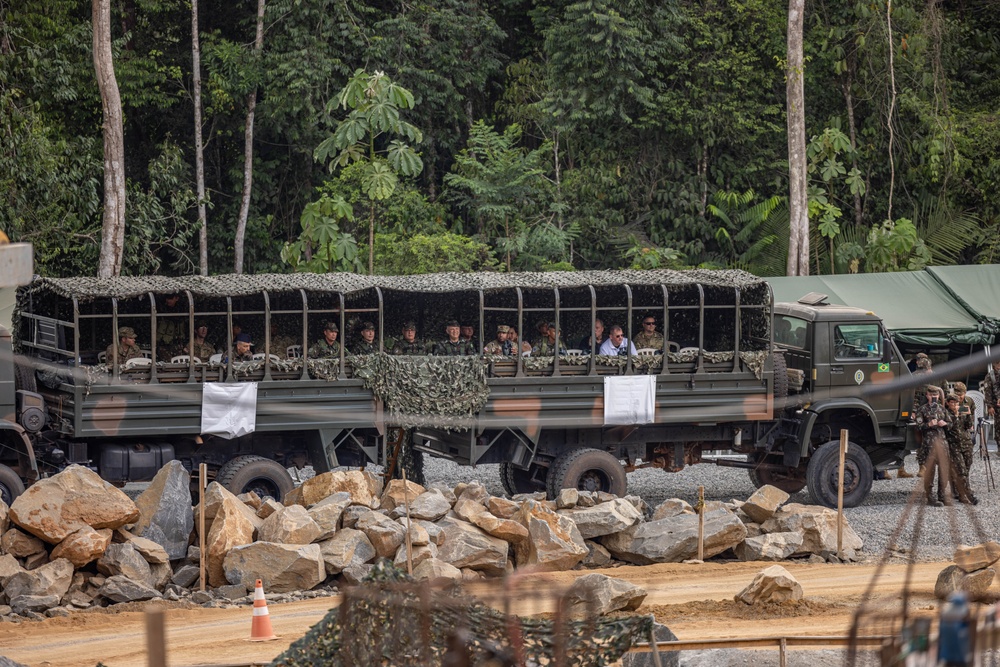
pixel 917 308
pixel 976 287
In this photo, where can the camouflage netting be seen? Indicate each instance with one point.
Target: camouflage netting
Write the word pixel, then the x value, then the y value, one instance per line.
pixel 386 623
pixel 85 288
pixel 444 392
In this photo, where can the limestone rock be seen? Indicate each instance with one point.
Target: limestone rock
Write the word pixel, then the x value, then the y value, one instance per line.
pixel 675 539
pixel 597 555
pixel 554 543
pixel 473 491
pixel 418 534
pixel 769 546
pixel 384 534
pixel 23 603
pixel 465 545
pixel 600 594
pixel 20 544
pixel 348 547
pixel 364 487
pixel 430 506
pixel 120 588
pixel 396 491
pixel 251 500
pixel 753 529
pixel 56 506
pixel 50 579
pixel 978 557
pixel 434 532
pixel 763 503
pixel 268 507
pixel 159 575
pixel 772 584
pixel 953 578
pixel 671 507
pixel 289 525
pixel 327 512
pixel 661 633
pixel 149 549
pixel 186 576
pixel 355 574
pixel 818 526
pixel 124 559
pixel 230 592
pixel 230 528
pixel 351 515
pixel 501 507
pixel 4 517
pixel 476 513
pixel 446 490
pixel 165 515
pixel 433 568
pixel 83 546
pixel 567 498
pixel 586 499
pixel 282 567
pixel 605 518
pixel 8 568
pixel 215 496
pixel 417 555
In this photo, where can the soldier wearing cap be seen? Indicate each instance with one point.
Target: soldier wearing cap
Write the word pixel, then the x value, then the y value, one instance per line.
pixel 923 367
pixel 410 345
pixel 453 345
pixel 959 450
pixel 243 345
pixel 991 389
pixel 502 345
pixel 367 344
pixel 327 347
pixel 127 349
pixel 550 345
pixel 199 347
pixel 933 419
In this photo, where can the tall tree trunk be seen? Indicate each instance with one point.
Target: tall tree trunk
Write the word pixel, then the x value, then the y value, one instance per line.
pixel 798 198
pixel 892 108
pixel 852 131
pixel 113 228
pixel 241 224
pixel 199 148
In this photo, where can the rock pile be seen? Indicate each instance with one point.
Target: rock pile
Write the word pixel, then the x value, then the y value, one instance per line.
pixel 972 572
pixel 73 541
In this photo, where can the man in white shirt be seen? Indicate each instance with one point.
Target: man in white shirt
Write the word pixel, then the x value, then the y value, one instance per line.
pixel 617 344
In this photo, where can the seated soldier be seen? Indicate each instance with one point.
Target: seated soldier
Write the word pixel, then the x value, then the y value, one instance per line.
pixel 127 349
pixel 410 345
pixel 502 346
pixel 550 345
pixel 242 348
pixel 453 345
pixel 327 347
pixel 649 337
pixel 199 347
pixel 367 344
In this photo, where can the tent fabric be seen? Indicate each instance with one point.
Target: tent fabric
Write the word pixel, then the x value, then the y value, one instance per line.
pixel 916 308
pixel 976 287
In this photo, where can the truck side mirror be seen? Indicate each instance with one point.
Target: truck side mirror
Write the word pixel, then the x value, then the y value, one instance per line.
pixel 886 350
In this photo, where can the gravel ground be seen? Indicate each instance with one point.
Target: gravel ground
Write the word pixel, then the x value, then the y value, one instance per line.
pixel 941 527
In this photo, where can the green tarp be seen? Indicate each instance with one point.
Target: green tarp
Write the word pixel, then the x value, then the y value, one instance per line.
pixel 977 288
pixel 915 306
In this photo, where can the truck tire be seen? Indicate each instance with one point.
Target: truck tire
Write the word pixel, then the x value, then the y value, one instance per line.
pixel 249 472
pixel 515 481
pixel 11 485
pixel 24 374
pixel 762 476
pixel 822 473
pixel 587 470
pixel 780 376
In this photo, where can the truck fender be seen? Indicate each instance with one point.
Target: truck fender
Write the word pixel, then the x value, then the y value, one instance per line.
pixel 812 413
pixel 25 450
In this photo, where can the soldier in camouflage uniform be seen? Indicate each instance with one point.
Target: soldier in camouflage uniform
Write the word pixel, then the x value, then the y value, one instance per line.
pixel 549 346
pixel 468 334
pixel 967 411
pixel 650 337
pixel 502 346
pixel 410 345
pixel 367 344
pixel 959 450
pixel 199 347
pixel 328 347
pixel 170 331
pixel 932 419
pixel 991 389
pixel 453 345
pixel 127 349
pixel 923 364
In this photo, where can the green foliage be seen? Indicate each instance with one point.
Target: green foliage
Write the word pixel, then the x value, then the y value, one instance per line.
pixel 431 253
pixel 645 257
pixel 895 246
pixel 739 235
pixel 322 247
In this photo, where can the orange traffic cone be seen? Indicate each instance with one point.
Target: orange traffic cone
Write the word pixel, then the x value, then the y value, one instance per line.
pixel 260 629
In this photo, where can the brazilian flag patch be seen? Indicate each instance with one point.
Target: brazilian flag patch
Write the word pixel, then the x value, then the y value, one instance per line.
pixel 883 368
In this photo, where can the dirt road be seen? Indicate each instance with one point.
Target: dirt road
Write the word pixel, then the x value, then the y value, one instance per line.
pixel 695 601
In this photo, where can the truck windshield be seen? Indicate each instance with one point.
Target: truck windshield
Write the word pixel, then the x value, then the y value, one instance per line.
pixel 852 341
pixel 790 331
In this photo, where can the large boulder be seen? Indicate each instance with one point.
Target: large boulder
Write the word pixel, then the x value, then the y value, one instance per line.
pixel 126 560
pixel 231 528
pixel 348 547
pixel 553 541
pixel 83 546
pixel 661 633
pixel 600 594
pixel 476 513
pixel 416 556
pixel 763 503
pixel 327 512
pixel 434 568
pixel 978 557
pixel 769 546
pixel 772 584
pixel 818 526
pixel 397 492
pixel 120 588
pixel 384 534
pixel 152 551
pixel 418 535
pixel 50 579
pixel 282 567
pixel 4 517
pixel 20 544
pixel 165 514
pixel 54 507
pixel 430 506
pixel 501 507
pixel 36 603
pixel 215 495
pixel 953 578
pixel 676 539
pixel 671 507
pixel 466 546
pixel 289 525
pixel 8 568
pixel 605 518
pixel 364 487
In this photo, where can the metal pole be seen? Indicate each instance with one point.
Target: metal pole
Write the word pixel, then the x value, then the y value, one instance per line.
pixel 701 523
pixel 202 479
pixel 840 494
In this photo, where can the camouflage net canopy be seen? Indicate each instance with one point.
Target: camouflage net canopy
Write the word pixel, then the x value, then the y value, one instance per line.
pixel 389 620
pixel 443 392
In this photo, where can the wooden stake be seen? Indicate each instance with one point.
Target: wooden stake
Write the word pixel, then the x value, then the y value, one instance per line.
pixel 202 480
pixel 156 639
pixel 840 494
pixel 409 539
pixel 701 523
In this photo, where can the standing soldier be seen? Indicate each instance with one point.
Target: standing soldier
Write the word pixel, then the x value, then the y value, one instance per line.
pixel 991 389
pixel 410 345
pixel 328 347
pixel 502 346
pixel 650 337
pixel 923 363
pixel 127 349
pixel 367 344
pixel 959 450
pixel 932 419
pixel 453 345
pixel 967 411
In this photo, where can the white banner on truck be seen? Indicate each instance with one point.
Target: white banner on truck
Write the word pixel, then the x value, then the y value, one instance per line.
pixel 229 410
pixel 629 399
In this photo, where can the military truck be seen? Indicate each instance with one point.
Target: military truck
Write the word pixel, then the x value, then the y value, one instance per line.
pixel 731 371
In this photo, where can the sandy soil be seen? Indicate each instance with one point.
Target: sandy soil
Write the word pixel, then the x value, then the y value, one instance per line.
pixel 695 601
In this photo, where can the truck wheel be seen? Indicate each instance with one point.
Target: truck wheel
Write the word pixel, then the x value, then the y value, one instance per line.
pixel 587 470
pixel 11 485
pixel 249 472
pixel 515 481
pixel 24 374
pixel 780 375
pixel 822 473
pixel 789 483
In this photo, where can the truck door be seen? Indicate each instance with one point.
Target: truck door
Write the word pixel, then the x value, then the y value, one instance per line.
pixel 857 361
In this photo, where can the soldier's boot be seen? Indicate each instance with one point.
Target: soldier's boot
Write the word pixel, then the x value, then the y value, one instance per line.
pixel 903 474
pixel 922 470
